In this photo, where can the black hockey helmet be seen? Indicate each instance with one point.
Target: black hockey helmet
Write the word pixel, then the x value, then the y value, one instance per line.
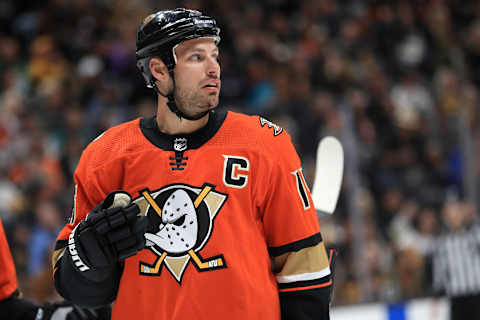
pixel 161 32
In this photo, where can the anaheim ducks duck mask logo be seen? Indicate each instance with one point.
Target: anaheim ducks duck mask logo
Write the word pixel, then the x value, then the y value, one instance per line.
pixel 181 222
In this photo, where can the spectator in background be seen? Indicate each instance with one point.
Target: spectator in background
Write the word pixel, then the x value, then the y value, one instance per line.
pixel 43 235
pixel 456 261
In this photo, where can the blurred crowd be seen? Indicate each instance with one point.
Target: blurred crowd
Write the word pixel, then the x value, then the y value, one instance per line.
pixel 401 76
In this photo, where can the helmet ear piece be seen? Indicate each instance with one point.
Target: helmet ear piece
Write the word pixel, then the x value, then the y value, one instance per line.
pixel 143 66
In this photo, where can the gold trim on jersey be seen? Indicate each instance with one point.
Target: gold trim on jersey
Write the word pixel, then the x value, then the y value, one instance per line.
pixel 57 254
pixel 307 260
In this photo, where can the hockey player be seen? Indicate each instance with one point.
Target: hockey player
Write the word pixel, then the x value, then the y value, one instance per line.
pixel 214 219
pixel 13 307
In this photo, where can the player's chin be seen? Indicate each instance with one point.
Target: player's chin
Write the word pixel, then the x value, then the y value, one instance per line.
pixel 208 107
pixel 204 108
pixel 213 97
pixel 211 103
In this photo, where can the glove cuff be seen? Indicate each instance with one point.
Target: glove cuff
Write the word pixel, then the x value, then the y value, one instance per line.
pixel 76 253
pixel 80 261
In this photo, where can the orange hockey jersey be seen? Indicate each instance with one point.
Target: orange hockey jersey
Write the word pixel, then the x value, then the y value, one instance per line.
pixel 232 221
pixel 8 276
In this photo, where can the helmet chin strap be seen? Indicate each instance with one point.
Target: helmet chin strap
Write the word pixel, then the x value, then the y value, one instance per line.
pixel 171 101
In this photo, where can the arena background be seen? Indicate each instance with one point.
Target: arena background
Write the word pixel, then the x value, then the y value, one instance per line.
pixel 395 81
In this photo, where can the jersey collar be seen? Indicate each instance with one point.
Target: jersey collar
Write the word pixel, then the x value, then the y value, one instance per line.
pixel 193 140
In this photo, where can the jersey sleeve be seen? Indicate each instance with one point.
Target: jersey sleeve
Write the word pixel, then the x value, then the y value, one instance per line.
pixel 81 206
pixel 89 191
pixel 292 231
pixel 8 276
pixel 287 198
pixel 93 181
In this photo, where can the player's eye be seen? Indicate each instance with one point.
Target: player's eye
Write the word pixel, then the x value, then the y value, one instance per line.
pixel 196 57
pixel 179 221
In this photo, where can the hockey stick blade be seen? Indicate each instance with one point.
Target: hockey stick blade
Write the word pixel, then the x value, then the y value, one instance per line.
pixel 328 176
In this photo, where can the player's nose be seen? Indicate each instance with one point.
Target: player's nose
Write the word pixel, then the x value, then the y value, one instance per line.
pixel 213 68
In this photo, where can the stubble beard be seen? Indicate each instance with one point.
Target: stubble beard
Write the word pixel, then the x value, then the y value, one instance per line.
pixel 192 102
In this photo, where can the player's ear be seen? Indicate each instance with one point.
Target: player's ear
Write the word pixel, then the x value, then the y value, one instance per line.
pixel 158 69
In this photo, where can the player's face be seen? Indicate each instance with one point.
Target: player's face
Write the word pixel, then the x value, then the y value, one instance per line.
pixel 197 76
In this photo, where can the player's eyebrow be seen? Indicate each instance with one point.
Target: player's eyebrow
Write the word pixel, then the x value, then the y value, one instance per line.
pixel 201 50
pixel 196 48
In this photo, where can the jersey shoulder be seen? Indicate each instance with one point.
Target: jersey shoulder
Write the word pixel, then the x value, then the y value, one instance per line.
pixel 257 133
pixel 115 142
pixel 257 128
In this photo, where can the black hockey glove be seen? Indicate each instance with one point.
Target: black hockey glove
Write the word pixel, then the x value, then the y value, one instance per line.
pixel 67 311
pixel 110 233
